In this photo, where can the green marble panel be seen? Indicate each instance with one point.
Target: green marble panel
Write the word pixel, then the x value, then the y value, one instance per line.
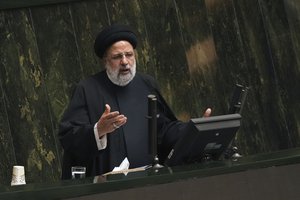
pixel 200 89
pixel 27 103
pixel 292 8
pixel 284 117
pixel 59 55
pixel 60 58
pixel 11 4
pixel 229 48
pixel 7 155
pixel 269 121
pixel 254 73
pixel 88 19
pixel 244 57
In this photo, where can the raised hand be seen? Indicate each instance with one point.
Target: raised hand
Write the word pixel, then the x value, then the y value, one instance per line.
pixel 110 121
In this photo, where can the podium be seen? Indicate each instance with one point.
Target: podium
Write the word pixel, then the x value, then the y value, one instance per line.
pixel 270 176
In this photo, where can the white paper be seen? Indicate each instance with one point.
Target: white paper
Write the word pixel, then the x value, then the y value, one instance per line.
pixel 123 166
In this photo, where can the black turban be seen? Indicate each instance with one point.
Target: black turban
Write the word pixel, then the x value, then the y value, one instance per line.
pixel 112 34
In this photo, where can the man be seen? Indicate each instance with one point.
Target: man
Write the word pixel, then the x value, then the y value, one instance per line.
pixel 106 119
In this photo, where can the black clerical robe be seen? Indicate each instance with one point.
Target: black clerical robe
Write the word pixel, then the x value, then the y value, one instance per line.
pixel 76 129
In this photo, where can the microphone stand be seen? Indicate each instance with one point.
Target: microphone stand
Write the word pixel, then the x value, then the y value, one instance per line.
pixel 236 106
pixel 152 130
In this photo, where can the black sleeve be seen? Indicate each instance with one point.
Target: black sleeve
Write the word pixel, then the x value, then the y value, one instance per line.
pixel 76 132
pixel 169 128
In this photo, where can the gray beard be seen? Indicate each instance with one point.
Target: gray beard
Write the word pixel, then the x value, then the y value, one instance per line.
pixel 119 79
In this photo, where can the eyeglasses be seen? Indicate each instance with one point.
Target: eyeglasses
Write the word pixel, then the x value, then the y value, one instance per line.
pixel 120 56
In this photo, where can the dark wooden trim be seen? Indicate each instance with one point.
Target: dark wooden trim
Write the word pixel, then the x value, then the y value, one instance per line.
pixel 11 4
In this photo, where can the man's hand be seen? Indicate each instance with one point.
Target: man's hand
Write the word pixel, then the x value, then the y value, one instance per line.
pixel 110 121
pixel 207 112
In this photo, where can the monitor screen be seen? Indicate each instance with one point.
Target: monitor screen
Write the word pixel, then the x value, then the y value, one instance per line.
pixel 204 138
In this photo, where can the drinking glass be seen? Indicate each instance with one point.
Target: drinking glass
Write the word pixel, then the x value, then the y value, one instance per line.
pixel 78 172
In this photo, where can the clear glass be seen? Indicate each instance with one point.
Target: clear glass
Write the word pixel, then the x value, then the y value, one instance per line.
pixel 78 172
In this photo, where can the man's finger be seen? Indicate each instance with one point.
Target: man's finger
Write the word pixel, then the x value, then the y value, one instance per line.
pixel 107 109
pixel 207 113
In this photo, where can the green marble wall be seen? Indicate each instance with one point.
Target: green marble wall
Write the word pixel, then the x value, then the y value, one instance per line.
pixel 197 50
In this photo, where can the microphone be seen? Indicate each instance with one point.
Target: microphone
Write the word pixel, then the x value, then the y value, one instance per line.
pixel 152 130
pixel 152 124
pixel 238 99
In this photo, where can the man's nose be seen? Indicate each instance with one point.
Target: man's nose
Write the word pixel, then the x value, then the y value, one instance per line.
pixel 124 60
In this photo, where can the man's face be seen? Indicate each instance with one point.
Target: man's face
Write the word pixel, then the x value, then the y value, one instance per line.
pixel 120 63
